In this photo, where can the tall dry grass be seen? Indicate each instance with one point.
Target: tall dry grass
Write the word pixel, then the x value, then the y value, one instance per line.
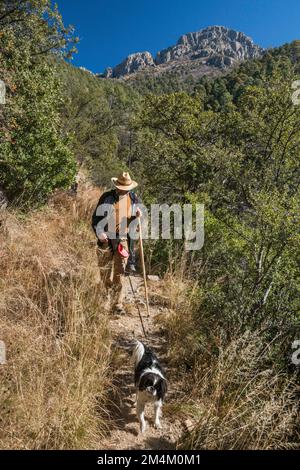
pixel 53 388
pixel 234 395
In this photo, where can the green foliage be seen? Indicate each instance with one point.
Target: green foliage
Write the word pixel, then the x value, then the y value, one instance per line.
pixel 166 82
pixel 243 162
pixel 97 113
pixel 218 94
pixel 35 155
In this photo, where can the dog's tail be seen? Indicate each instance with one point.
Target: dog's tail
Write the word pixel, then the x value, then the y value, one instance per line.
pixel 138 352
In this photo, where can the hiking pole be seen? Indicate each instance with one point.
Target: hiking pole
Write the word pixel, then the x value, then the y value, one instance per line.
pixel 143 266
pixel 137 306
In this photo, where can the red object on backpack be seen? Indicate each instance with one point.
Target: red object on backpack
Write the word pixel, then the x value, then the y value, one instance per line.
pixel 122 252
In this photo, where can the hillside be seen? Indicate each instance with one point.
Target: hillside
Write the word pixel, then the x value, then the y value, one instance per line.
pixel 188 76
pixel 68 381
pixel 52 306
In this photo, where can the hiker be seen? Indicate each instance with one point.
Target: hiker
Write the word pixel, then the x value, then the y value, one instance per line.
pixel 113 239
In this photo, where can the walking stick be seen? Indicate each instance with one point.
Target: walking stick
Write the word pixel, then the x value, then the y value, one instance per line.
pixel 143 266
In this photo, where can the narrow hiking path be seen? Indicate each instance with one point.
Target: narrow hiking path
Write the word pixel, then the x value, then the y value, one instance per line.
pixel 124 431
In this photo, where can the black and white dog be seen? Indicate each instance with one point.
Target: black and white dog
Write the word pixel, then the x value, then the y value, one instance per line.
pixel 150 382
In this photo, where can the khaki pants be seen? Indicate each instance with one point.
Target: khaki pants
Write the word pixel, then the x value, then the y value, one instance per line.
pixel 112 271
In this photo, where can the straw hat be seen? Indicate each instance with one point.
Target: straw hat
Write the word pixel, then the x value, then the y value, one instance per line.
pixel 124 182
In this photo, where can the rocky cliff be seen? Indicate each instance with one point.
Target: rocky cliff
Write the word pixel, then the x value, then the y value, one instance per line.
pixel 215 46
pixel 133 63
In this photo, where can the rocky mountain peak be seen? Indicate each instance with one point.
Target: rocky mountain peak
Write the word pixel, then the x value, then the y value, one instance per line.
pixel 215 46
pixel 133 63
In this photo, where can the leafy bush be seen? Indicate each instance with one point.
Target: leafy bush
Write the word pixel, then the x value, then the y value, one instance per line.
pixel 35 156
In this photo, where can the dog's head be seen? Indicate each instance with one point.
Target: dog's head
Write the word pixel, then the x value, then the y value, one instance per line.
pixel 153 384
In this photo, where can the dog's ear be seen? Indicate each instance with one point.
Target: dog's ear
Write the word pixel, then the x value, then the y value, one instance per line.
pixel 147 380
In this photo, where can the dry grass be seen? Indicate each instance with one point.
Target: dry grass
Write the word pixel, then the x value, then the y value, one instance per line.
pixel 53 387
pixel 235 398
pixel 180 298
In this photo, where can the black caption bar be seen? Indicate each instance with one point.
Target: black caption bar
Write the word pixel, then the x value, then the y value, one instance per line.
pixel 134 459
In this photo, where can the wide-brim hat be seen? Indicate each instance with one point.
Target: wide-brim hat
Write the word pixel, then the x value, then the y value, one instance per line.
pixel 124 182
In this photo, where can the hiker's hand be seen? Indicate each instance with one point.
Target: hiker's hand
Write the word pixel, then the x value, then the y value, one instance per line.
pixel 138 212
pixel 103 237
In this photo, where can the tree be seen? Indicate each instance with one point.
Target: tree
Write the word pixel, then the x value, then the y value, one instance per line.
pixel 35 156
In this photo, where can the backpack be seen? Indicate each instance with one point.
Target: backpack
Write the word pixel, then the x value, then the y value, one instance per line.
pixel 96 218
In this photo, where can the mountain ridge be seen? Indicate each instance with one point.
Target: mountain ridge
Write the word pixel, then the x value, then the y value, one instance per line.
pixel 214 46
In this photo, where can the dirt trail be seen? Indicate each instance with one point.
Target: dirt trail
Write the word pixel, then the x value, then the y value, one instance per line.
pixel 124 432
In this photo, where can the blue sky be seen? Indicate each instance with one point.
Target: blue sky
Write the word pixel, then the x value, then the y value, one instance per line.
pixel 109 30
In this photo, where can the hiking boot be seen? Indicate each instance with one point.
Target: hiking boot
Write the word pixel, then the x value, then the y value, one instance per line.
pixel 131 269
